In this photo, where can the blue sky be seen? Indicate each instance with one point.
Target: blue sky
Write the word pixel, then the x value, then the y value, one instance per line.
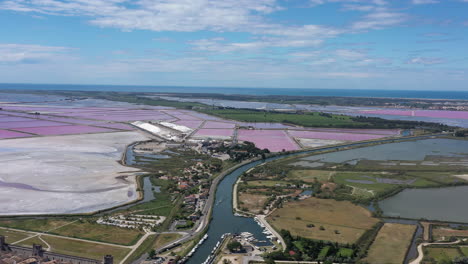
pixel 358 44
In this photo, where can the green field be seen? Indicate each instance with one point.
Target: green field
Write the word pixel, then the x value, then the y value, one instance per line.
pixel 39 225
pixel 145 247
pixel 13 236
pixel 79 248
pixel 391 244
pixel 97 232
pixel 464 250
pixel 164 239
pixel 342 221
pixel 306 119
pixel 438 254
pixel 84 229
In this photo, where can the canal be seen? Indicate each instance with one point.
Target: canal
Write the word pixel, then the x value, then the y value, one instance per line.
pixel 223 219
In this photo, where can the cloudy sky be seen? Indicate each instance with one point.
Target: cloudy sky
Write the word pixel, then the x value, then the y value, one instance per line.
pixel 359 44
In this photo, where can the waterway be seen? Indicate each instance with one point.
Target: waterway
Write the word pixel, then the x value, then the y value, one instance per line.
pixel 224 221
pixel 148 195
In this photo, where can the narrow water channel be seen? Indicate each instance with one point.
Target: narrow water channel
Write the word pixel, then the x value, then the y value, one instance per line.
pixel 224 221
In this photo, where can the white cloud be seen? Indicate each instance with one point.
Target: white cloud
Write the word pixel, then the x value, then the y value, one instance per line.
pixel 155 15
pixel 21 53
pixel 379 19
pixel 320 62
pixel 349 54
pixel 424 2
pixel 358 75
pixel 425 61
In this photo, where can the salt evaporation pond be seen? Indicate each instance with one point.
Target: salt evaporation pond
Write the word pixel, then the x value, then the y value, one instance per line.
pixel 404 151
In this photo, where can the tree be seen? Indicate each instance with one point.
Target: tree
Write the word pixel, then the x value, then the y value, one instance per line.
pixel 152 253
pixel 460 260
pixel 234 246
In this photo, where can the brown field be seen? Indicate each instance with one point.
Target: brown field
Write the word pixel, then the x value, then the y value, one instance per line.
pixel 311 175
pixel 391 244
pixel 348 220
pixel 253 202
pixel 426 226
pixel 439 233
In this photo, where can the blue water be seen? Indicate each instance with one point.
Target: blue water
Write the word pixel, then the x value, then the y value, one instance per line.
pixel 246 91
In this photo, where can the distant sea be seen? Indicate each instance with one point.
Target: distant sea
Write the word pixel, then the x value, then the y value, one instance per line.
pixel 461 95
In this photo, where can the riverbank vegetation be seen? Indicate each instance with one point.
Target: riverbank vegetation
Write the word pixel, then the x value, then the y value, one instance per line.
pixel 299 248
pixel 360 181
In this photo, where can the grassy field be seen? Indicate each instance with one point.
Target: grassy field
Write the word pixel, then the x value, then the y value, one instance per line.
pixel 103 233
pixel 252 202
pixel 145 247
pixel 308 119
pixel 79 229
pixel 370 179
pixel 39 225
pixel 164 239
pixel 79 248
pixel 391 244
pixel 437 254
pixel 13 236
pixel 310 175
pixel 342 221
pixel 464 250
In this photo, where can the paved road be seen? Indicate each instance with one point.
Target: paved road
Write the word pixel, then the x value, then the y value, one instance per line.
pixel 204 220
pixel 262 219
pixel 206 212
pixel 136 246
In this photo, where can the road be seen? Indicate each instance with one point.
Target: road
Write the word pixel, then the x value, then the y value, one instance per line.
pixel 204 219
pixel 136 246
pixel 421 251
pixel 262 219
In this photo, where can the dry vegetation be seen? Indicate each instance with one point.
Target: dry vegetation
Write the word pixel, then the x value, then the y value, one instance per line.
pixel 311 175
pixel 342 221
pixel 442 233
pixel 391 244
pixel 252 202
